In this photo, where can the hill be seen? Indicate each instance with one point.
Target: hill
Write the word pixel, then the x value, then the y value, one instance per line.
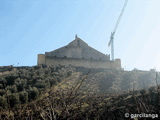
pixel 62 92
pixel 19 85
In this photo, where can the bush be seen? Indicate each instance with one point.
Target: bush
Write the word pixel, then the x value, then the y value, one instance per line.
pixel 13 89
pixel 3 102
pixel 52 82
pixel 14 99
pixel 41 84
pixel 21 84
pixel 33 93
pixel 23 97
pixel 10 80
pixel 69 73
pixel 2 92
pixel 59 79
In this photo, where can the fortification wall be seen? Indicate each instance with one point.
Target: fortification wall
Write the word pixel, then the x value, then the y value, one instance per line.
pixel 41 59
pixel 66 52
pixel 82 51
pixel 105 64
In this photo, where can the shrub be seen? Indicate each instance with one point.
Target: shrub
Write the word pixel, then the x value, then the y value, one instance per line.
pixel 52 81
pixel 21 84
pixel 10 80
pixel 33 93
pixel 13 88
pixel 13 99
pixel 69 73
pixel 23 97
pixel 59 79
pixel 2 92
pixel 3 102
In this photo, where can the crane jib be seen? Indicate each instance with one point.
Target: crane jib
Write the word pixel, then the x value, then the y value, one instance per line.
pixel 116 26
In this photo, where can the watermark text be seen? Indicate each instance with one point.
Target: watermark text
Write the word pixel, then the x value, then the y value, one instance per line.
pixel 141 115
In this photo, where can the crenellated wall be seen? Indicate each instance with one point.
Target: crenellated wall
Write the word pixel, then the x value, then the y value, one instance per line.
pixel 86 63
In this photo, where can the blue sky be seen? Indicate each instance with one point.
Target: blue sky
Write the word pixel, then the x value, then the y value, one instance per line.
pixel 31 27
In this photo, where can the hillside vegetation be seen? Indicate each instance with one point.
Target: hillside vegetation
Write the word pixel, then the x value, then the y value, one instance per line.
pixel 60 93
pixel 20 85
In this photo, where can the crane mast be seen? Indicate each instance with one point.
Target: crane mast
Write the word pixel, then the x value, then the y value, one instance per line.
pixel 111 42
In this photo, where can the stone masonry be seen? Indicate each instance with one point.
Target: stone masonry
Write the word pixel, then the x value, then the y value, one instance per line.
pixel 78 54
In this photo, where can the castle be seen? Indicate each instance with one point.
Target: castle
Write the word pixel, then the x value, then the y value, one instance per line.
pixel 78 54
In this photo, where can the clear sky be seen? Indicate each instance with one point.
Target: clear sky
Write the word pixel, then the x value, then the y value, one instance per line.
pixel 31 27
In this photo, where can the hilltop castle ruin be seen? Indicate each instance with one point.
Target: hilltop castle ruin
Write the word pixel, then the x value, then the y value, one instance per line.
pixel 78 54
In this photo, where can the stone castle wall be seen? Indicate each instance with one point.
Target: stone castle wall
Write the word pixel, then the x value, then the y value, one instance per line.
pixel 41 59
pixel 86 63
pixel 79 54
pixel 78 49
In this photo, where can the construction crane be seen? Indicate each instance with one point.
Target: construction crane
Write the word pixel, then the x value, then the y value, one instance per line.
pixel 111 42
